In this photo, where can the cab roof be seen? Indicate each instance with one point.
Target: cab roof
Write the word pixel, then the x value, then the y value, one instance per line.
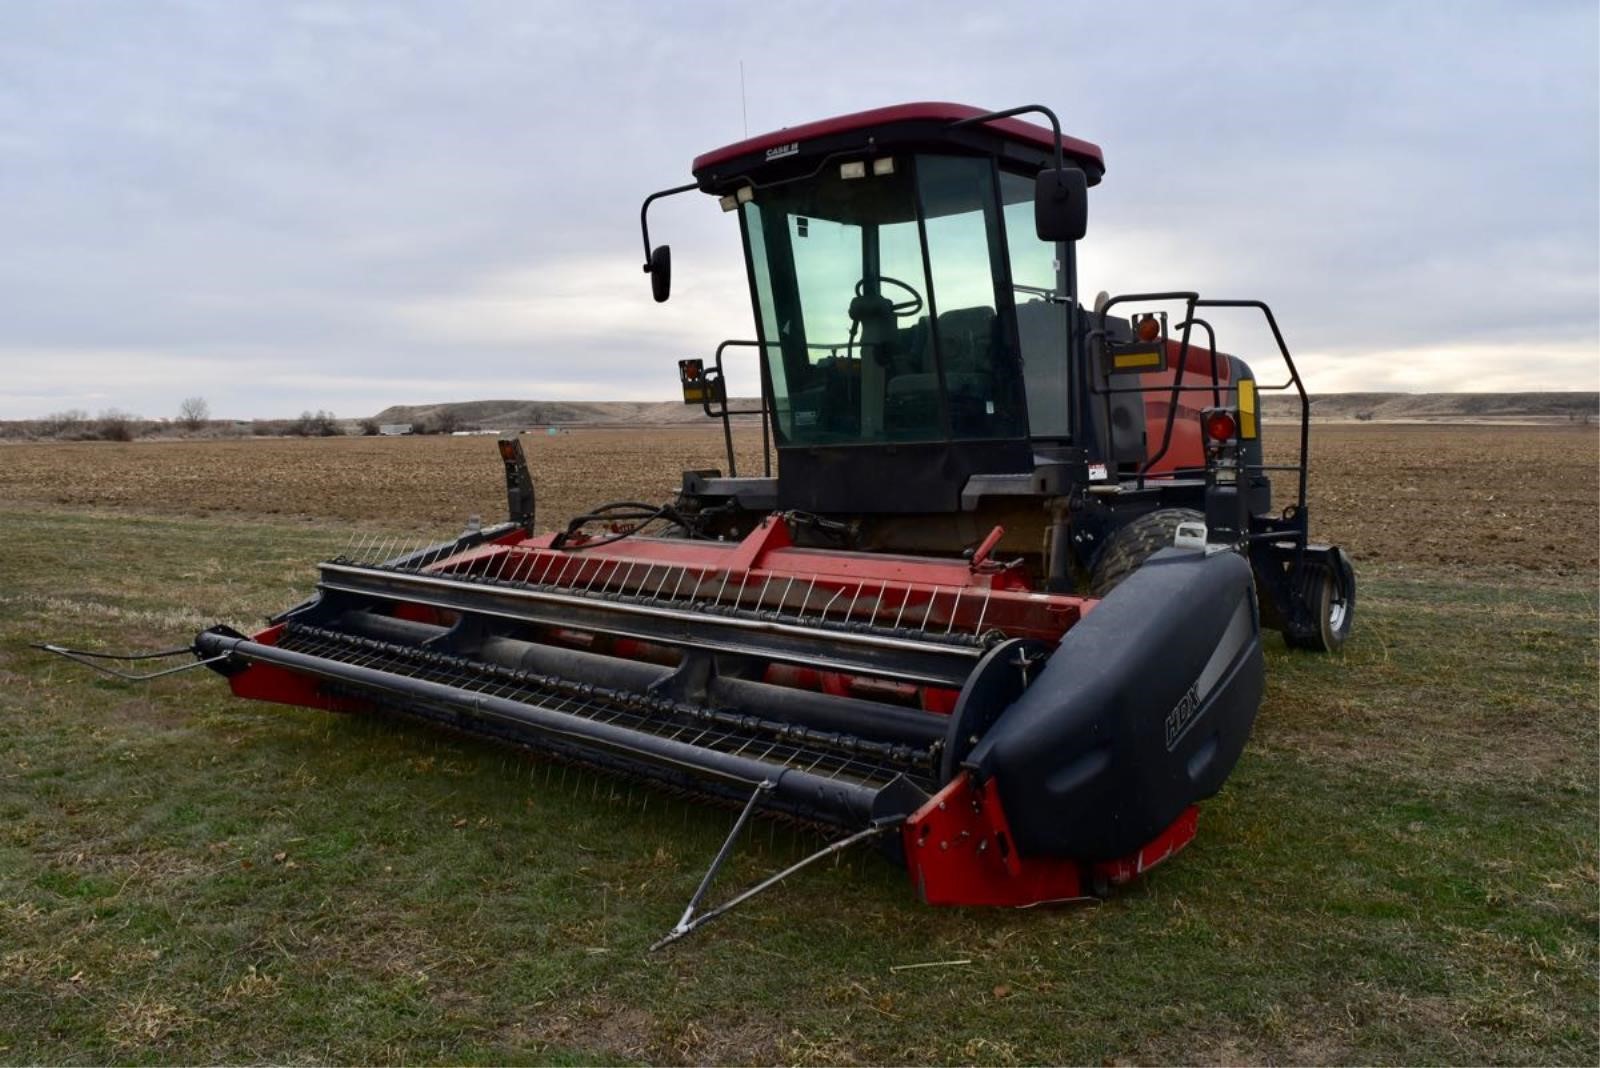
pixel 889 128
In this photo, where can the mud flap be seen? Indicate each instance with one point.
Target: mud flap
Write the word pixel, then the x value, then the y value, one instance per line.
pixel 1141 711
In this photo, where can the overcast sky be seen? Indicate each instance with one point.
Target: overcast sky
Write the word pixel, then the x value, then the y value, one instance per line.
pixel 285 206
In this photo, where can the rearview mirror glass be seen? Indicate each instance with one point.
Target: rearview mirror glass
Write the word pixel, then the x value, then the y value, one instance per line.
pixel 661 273
pixel 1061 204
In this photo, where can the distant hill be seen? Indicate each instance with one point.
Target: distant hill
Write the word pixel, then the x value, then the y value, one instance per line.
pixel 1441 407
pixel 518 414
pixel 1354 407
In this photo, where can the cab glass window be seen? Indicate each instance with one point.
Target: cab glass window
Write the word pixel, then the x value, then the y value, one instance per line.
pixel 877 301
pixel 1036 287
pixel 978 357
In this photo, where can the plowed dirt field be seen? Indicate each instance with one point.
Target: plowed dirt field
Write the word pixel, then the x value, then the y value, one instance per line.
pixel 1400 870
pixel 1516 497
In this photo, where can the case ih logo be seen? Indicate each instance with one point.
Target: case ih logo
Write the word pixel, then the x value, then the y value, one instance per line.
pixel 783 150
pixel 1180 717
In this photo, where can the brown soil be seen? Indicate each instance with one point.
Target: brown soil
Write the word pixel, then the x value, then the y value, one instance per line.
pixel 1518 497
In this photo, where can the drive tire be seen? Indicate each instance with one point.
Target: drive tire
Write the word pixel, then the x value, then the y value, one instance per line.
pixel 1135 542
pixel 1329 590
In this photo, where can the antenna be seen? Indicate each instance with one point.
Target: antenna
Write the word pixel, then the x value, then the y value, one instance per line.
pixel 744 112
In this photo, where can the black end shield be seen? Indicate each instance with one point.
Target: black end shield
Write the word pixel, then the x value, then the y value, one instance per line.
pixel 1141 711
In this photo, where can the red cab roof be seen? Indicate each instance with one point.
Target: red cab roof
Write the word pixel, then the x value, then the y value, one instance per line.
pixel 927 111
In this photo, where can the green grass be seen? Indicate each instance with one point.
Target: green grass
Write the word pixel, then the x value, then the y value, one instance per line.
pixel 1403 868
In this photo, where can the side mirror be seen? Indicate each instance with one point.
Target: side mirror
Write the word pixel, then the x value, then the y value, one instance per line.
pixel 1061 204
pixel 660 268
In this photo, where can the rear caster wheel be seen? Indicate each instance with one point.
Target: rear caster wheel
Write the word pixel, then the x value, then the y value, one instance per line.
pixel 1328 589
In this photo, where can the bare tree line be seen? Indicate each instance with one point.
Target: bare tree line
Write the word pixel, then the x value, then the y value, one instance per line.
pixel 194 419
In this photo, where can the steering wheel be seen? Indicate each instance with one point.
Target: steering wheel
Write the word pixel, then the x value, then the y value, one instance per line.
pixel 904 309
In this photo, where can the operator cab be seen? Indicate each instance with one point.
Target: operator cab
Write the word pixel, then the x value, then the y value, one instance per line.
pixel 933 383
pixel 906 308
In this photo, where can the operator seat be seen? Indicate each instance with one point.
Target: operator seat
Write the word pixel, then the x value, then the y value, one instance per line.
pixel 967 343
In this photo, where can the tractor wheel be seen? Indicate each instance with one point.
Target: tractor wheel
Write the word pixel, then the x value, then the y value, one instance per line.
pixel 1329 591
pixel 1135 542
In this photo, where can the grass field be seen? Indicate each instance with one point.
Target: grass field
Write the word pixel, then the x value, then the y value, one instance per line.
pixel 1404 868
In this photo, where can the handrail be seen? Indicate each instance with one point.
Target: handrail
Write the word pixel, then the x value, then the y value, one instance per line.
pixel 1194 301
pixel 725 413
pixel 1177 382
pixel 1294 380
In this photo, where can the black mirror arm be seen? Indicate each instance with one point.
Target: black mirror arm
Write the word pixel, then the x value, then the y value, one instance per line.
pixel 644 213
pixel 1037 109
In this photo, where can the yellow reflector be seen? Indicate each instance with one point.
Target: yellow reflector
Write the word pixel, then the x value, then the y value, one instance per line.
pixel 1133 361
pixel 1247 407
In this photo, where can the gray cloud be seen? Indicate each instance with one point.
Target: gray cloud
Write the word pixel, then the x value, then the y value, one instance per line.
pixel 315 205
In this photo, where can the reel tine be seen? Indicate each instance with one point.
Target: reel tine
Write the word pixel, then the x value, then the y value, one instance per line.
pixel 899 615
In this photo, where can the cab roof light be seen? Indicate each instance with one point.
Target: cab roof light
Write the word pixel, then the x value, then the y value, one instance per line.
pixel 883 165
pixel 853 169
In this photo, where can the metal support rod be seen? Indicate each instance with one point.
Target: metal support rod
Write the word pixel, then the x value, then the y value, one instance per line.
pixel 686 925
pixel 762 788
pixel 1036 109
pixel 644 215
pixel 1211 340
pixel 1177 385
pixel 727 429
pixel 88 658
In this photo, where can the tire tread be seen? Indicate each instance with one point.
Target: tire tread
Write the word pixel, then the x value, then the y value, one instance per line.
pixel 1135 542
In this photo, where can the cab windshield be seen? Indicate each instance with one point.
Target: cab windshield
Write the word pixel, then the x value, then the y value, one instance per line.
pixel 877 288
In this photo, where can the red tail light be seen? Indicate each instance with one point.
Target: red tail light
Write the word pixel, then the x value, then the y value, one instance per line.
pixel 1220 426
